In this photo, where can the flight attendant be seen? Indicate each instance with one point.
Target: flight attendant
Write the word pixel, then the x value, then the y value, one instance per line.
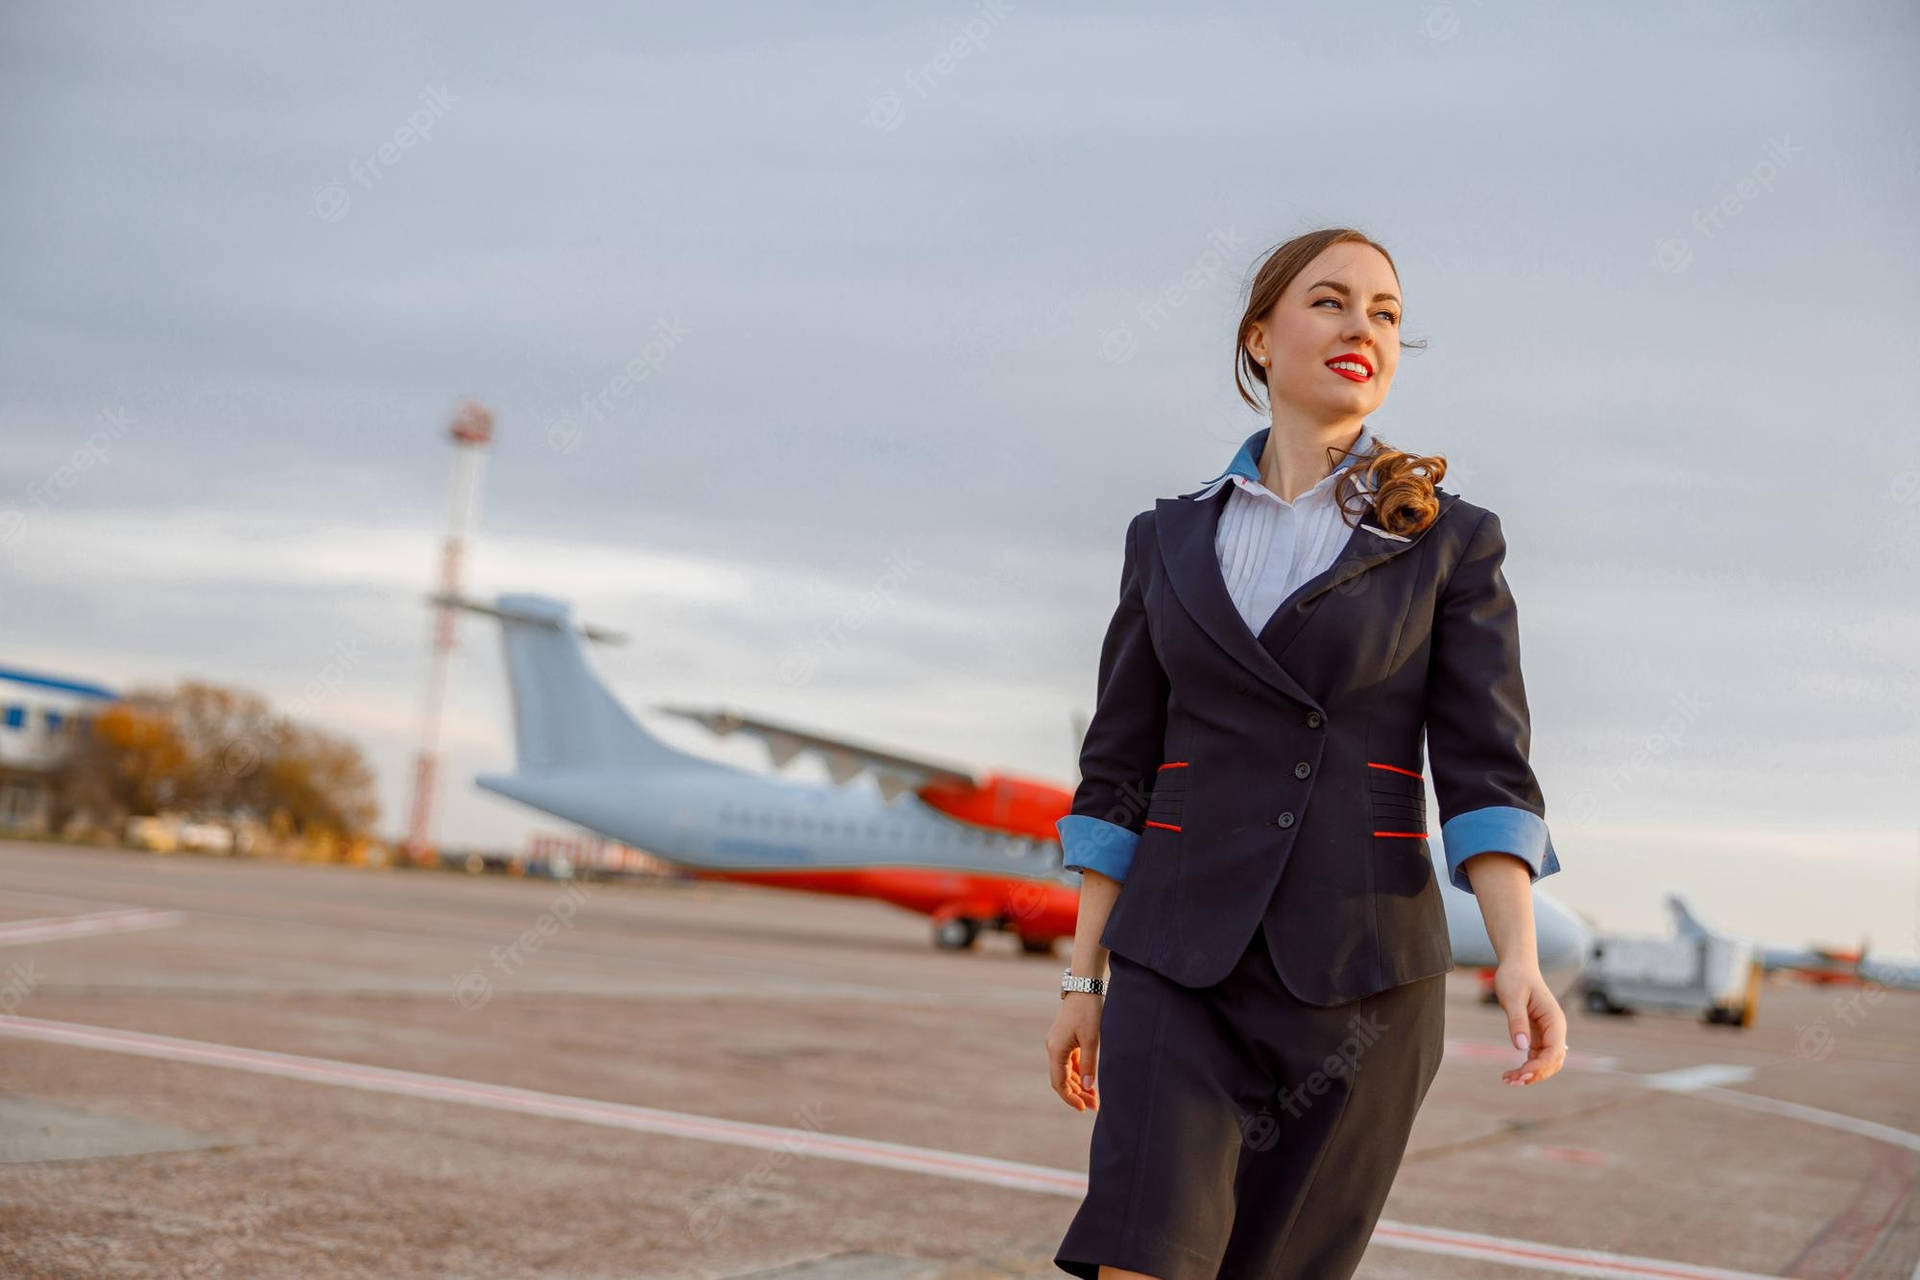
pixel 1251 825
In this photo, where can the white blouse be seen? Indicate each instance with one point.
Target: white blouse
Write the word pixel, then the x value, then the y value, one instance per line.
pixel 1269 546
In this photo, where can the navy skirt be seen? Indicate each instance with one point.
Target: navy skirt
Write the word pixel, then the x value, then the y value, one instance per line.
pixel 1243 1132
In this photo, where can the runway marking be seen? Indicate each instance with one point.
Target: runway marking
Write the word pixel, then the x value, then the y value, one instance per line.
pixel 618 1115
pixel 1694 1079
pixel 17 933
pixel 1507 1055
pixel 1814 1115
pixel 1858 1230
pixel 866 1151
pixel 1568 1155
pixel 1704 1082
pixel 1565 1262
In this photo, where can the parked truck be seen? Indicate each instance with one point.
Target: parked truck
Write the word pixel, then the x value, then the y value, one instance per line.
pixel 1695 971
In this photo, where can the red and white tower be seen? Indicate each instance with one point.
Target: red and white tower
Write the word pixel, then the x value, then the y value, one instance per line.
pixel 471 433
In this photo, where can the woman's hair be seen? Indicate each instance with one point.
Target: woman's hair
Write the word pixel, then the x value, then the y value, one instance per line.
pixel 1401 482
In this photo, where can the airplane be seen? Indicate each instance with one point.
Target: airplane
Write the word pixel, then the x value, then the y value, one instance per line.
pixel 1816 964
pixel 974 851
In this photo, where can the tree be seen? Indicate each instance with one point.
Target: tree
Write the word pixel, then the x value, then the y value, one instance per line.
pixel 215 753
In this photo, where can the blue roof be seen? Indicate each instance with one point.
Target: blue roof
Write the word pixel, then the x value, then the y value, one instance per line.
pixel 17 676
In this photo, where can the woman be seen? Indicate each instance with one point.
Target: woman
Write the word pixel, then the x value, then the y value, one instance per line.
pixel 1250 823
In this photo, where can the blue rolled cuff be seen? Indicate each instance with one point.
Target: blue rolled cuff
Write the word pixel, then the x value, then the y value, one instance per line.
pixel 1497 829
pixel 1094 844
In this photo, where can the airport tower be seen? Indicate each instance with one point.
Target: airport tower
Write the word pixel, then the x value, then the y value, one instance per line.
pixel 471 433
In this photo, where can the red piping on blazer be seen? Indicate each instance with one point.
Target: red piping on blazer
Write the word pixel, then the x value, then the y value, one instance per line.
pixel 1411 773
pixel 1171 764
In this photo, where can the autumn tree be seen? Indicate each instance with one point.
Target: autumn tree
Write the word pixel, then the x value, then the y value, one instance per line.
pixel 215 753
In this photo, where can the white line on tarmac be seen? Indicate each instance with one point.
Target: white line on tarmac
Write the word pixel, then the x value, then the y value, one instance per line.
pixel 1694 1079
pixel 1813 1115
pixel 1531 1257
pixel 17 933
pixel 1508 1056
pixel 888 1155
pixel 1704 1081
pixel 618 1115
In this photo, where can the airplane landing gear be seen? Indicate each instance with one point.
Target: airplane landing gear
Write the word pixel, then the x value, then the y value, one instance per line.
pixel 960 932
pixel 955 933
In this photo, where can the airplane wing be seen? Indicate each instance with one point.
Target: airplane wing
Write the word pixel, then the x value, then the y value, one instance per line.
pixel 894 771
pixel 1820 963
pixel 1838 966
pixel 1807 958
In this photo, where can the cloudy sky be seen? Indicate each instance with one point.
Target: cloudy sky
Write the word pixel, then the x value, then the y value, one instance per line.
pixel 832 350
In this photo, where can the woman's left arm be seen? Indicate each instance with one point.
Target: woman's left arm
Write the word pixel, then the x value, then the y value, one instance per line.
pixel 1535 1022
pixel 1492 816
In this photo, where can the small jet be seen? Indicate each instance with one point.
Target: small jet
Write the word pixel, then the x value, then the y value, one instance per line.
pixel 972 850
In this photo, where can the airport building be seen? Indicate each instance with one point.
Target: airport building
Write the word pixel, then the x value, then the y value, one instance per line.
pixel 39 715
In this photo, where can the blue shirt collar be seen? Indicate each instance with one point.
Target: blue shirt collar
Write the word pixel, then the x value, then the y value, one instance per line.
pixel 1246 463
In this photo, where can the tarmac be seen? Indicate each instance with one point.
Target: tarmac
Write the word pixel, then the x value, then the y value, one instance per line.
pixel 230 1067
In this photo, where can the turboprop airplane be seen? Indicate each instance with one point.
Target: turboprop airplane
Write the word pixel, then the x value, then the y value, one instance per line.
pixel 971 850
pixel 1823 966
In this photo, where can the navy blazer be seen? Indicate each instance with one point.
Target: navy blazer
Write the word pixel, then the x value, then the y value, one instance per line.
pixel 1234 781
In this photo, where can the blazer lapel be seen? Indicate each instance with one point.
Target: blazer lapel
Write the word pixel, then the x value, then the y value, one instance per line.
pixel 1367 547
pixel 1186 529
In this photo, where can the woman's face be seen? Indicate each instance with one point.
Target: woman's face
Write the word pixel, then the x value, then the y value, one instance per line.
pixel 1345 304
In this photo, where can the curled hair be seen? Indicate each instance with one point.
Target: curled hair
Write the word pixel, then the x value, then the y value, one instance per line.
pixel 1400 483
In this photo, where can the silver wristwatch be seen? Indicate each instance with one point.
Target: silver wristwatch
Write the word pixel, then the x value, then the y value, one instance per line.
pixel 1069 982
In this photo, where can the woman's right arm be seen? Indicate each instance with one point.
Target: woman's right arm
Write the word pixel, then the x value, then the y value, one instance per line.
pixel 1118 760
pixel 1125 737
pixel 1073 1042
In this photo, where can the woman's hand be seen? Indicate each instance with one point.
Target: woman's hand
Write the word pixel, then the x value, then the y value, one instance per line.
pixel 1535 1024
pixel 1072 1045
